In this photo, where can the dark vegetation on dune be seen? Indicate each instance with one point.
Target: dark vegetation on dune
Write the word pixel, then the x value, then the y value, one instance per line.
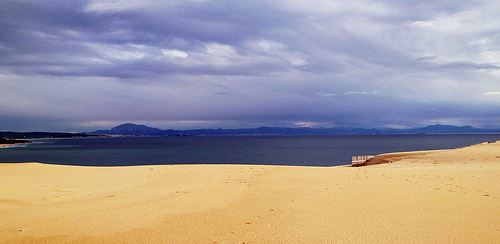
pixel 12 141
pixel 34 135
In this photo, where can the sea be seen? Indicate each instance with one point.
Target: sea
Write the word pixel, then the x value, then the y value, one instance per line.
pixel 262 150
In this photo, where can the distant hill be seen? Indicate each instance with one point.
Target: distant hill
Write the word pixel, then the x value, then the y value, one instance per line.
pixel 130 129
pixel 448 129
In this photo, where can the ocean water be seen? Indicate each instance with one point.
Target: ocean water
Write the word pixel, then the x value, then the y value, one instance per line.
pixel 265 150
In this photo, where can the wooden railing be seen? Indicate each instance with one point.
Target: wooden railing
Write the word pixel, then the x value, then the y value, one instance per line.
pixel 360 159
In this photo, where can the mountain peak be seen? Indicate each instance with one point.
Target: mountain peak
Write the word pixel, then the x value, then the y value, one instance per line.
pixel 129 125
pixel 131 129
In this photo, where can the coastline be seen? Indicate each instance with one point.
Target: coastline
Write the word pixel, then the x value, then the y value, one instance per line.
pixel 431 196
pixel 14 144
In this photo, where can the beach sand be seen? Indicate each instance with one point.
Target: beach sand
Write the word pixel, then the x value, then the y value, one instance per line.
pixel 12 145
pixel 447 196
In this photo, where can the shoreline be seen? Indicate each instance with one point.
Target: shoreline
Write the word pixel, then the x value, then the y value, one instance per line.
pixel 432 197
pixel 14 144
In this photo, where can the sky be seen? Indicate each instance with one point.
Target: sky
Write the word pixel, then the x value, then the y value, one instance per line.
pixel 86 65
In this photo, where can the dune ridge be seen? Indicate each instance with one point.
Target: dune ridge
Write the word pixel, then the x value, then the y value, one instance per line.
pixel 445 196
pixel 392 157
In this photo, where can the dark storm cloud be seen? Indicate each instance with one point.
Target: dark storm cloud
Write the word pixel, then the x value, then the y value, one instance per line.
pixel 75 39
pixel 196 63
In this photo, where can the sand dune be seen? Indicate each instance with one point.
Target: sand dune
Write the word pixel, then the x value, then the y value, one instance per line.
pixel 449 196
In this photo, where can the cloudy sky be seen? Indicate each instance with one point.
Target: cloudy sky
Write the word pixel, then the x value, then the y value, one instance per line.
pixel 84 65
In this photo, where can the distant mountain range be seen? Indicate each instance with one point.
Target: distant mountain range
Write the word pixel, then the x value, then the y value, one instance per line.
pixel 129 129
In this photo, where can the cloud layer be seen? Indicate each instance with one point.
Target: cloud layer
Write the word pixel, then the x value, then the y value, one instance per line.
pixel 77 65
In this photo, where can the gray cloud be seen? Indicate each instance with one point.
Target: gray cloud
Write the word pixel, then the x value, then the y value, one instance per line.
pixel 89 64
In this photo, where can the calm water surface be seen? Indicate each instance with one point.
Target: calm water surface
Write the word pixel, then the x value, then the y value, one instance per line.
pixel 272 150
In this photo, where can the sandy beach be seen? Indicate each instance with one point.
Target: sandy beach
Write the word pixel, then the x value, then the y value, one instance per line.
pixel 12 145
pixel 6 145
pixel 446 196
